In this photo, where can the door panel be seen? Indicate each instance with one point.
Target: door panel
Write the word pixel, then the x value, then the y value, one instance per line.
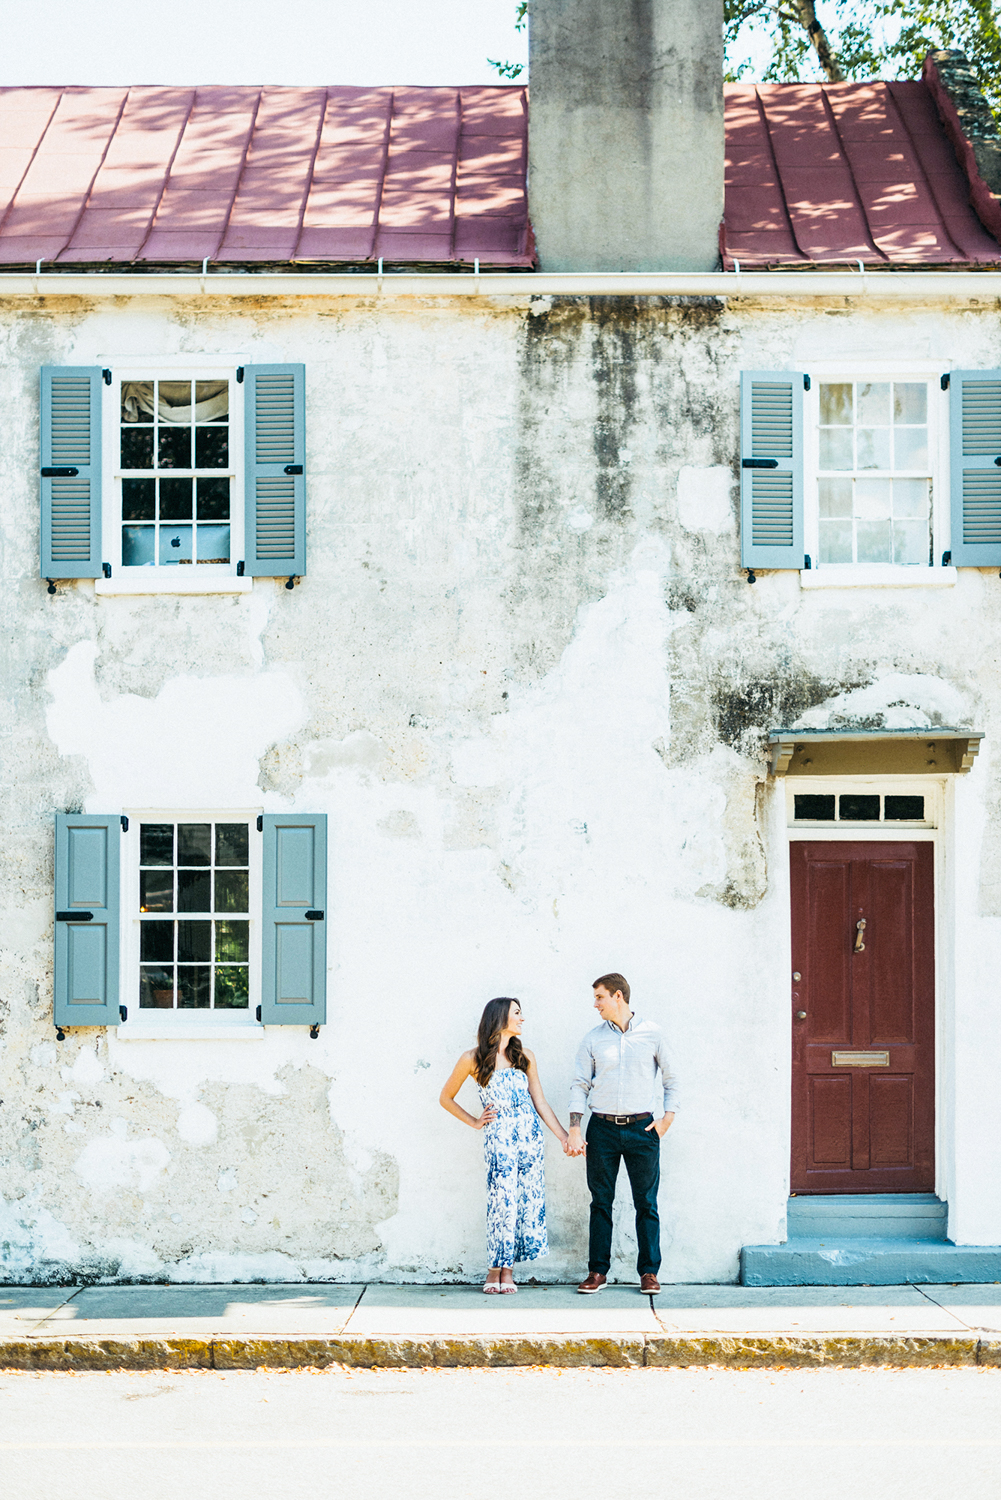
pixel 863 1123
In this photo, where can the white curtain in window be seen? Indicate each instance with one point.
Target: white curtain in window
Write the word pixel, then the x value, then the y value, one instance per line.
pixel 137 396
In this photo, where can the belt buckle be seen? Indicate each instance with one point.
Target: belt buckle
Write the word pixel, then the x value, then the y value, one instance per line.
pixel 622 1119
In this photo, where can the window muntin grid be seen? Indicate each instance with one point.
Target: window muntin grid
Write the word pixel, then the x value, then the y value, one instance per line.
pixel 174 441
pixel 858 807
pixel 874 472
pixel 194 906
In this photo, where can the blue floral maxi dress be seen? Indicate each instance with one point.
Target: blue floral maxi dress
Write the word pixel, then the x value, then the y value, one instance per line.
pixel 516 1174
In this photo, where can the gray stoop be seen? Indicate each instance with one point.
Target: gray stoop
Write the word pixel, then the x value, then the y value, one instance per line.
pixel 876 1239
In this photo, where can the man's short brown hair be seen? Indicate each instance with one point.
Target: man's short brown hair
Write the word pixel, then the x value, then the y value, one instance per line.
pixel 612 983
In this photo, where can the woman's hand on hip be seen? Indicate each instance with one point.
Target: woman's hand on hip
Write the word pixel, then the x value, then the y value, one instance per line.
pixel 490 1113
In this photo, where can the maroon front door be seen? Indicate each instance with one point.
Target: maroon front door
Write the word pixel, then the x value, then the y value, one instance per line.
pixel 863 1101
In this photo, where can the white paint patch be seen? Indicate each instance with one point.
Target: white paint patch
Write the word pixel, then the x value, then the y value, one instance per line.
pixel 358 751
pixel 226 1181
pixel 580 519
pixel 197 1125
pixel 113 1162
pixel 248 1216
pixel 704 498
pixel 901 701
pixel 31 1239
pixel 87 1069
pixel 477 763
pixel 44 1055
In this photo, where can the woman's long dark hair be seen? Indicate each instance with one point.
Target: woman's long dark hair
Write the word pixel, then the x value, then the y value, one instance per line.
pixel 492 1023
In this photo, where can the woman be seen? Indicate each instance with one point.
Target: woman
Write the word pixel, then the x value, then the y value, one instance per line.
pixel 511 1093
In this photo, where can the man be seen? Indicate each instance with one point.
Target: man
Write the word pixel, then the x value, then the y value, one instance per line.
pixel 615 1075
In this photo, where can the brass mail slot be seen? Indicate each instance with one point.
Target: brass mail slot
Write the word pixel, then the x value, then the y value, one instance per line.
pixel 860 1059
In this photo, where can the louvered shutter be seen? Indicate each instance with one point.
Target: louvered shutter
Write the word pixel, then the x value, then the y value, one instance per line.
pixel 276 457
pixel 975 467
pixel 771 475
pixel 294 920
pixel 71 499
pixel 87 919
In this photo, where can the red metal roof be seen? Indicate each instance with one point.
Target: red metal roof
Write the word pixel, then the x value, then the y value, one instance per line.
pixel 234 174
pixel 816 174
pixel 822 173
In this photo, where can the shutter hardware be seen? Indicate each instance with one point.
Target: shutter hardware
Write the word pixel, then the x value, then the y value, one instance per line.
pixel 74 916
pixel 946 559
pixel 60 1034
pixel 314 1031
pixel 751 577
pixel 106 569
pixel 293 468
pixel 107 376
pixel 125 824
pixel 51 588
pixel 759 463
pixel 240 567
pixel 944 382
pixel 292 581
pixel 60 473
pixel 258 1013
pixel 314 916
pixel 123 1011
pixel 239 374
pixel 260 822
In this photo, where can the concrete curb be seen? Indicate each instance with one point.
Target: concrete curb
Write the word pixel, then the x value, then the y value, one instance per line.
pixel 566 1351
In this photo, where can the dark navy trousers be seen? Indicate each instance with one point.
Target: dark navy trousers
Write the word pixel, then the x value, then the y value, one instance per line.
pixel 639 1148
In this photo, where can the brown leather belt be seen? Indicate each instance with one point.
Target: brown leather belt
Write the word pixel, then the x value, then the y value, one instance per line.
pixel 622 1119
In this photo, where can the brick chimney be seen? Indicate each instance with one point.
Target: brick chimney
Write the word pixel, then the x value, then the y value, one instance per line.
pixel 625 154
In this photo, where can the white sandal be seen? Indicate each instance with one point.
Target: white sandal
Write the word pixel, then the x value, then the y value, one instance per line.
pixel 491 1287
pixel 508 1286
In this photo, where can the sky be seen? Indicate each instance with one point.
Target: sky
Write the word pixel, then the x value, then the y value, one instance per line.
pixel 258 41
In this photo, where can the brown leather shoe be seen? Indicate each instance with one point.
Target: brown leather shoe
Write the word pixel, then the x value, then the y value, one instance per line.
pixel 594 1283
pixel 649 1282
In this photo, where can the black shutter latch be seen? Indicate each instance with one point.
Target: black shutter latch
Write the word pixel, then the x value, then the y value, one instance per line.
pixel 123 1011
pixel 314 1030
pixel 62 473
pixel 293 468
pixel 51 586
pixel 107 376
pixel 241 565
pixel 125 824
pixel 946 559
pixel 260 822
pixel 944 382
pixel 106 569
pixel 258 1013
pixel 759 463
pixel 314 916
pixel 239 374
pixel 751 577
pixel 74 916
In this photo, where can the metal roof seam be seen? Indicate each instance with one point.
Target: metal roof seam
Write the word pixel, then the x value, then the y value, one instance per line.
pixel 312 171
pixel 31 160
pixel 377 207
pixel 860 201
pixel 104 156
pixel 166 178
pixel 239 177
pixel 454 183
pixel 763 117
pixel 960 255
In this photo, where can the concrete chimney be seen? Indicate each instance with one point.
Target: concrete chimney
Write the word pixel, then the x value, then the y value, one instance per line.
pixel 625 145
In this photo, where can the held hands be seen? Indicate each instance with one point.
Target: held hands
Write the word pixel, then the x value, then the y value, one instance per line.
pixel 574 1144
pixel 663 1125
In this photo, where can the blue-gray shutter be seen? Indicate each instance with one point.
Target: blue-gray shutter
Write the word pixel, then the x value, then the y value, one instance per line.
pixel 71 502
pixel 87 919
pixel 275 404
pixel 294 920
pixel 771 473
pixel 975 467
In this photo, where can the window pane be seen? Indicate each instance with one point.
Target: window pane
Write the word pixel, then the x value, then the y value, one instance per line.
pixel 156 890
pixel 194 843
pixel 232 988
pixel 156 988
pixel 194 942
pixel 872 499
pixel 874 404
pixel 175 544
pixel 910 401
pixel 836 405
pixel 138 499
pixel 138 546
pixel 194 987
pixel 232 942
pixel 874 448
pixel 193 890
pixel 174 401
pixel 156 942
pixel 213 499
pixel 137 448
pixel 137 400
pixel 175 499
pixel 232 890
pixel 856 807
pixel 910 448
pixel 232 844
pixel 213 544
pixel 156 843
pixel 211 447
pixel 835 497
pixel 173 448
pixel 912 808
pixel 835 447
pixel 818 809
pixel 911 543
pixel 212 400
pixel 873 541
pixel 911 499
pixel 836 541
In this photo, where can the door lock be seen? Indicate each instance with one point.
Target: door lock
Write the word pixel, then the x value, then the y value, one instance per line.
pixel 859 940
pixel 801 1015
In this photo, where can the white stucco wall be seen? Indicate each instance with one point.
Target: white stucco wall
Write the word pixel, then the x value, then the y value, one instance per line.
pixel 527 682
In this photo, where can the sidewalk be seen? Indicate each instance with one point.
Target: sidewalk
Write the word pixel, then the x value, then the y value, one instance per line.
pixel 278 1326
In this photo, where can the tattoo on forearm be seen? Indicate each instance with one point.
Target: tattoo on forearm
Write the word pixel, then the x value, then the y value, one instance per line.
pixel 574 1120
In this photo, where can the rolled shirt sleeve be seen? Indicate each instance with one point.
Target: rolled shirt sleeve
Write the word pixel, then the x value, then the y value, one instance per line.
pixel 668 1078
pixel 583 1077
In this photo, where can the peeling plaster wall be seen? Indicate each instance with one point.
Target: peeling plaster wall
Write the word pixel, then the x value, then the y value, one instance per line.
pixel 529 685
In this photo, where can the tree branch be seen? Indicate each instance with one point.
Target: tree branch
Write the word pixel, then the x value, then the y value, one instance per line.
pixel 818 40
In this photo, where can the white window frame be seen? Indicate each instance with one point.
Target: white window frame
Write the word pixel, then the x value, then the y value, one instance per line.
pixel 181 1025
pixel 928 787
pixel 867 575
pixel 210 578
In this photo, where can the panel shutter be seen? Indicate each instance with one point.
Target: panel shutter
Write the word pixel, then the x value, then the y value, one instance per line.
pixel 71 471
pixel 975 467
pixel 293 920
pixel 87 919
pixel 771 473
pixel 276 456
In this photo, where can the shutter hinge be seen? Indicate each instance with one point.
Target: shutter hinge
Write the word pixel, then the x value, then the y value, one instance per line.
pixel 751 576
pixel 123 1011
pixel 125 824
pixel 240 567
pixel 292 581
pixel 260 822
pixel 106 569
pixel 807 563
pixel 239 374
pixel 314 1030
pixel 51 586
pixel 107 376
pixel 806 382
pixel 946 559
pixel 944 382
pixel 258 1013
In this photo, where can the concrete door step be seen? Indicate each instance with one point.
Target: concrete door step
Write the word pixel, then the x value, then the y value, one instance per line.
pixel 836 1216
pixel 866 1260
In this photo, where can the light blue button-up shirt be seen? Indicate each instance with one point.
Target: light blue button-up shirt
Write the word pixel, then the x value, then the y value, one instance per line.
pixel 616 1071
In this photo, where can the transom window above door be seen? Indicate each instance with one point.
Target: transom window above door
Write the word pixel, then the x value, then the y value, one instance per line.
pixel 845 805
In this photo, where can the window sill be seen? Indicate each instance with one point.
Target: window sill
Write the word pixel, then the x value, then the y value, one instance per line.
pixel 189 1031
pixel 220 583
pixel 876 575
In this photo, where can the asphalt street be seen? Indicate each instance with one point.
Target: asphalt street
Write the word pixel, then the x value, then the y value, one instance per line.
pixel 521 1433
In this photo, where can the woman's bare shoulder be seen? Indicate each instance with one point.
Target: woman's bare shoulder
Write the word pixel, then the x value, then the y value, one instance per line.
pixel 529 1055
